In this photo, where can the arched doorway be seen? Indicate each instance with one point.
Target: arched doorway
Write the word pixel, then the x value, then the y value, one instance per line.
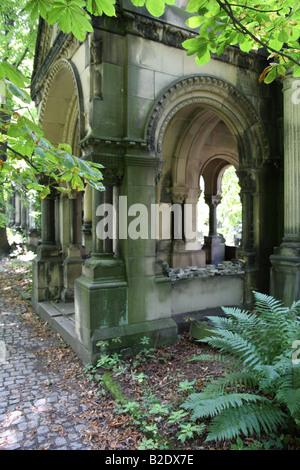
pixel 201 126
pixel 197 143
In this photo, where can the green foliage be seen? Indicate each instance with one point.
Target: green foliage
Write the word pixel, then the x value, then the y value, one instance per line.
pixel 28 161
pixel 188 430
pixel 271 25
pixel 230 209
pixel 261 392
pixel 17 39
pixel 155 7
pixel 273 442
pixel 75 15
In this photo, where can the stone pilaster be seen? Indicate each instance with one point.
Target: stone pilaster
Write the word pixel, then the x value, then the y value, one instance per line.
pixel 101 290
pixel 285 272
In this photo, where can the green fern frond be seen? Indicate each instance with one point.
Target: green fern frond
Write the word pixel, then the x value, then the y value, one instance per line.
pixel 237 381
pixel 261 344
pixel 248 419
pixel 241 319
pixel 290 397
pixel 219 358
pixel 202 407
pixel 220 322
pixel 235 344
pixel 270 374
pixel 280 322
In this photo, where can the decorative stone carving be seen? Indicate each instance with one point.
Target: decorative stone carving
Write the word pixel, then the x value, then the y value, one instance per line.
pixel 112 175
pixel 175 37
pixel 179 195
pixel 96 47
pixel 62 63
pixel 63 47
pixel 221 97
pixel 147 27
pixel 247 181
pixel 159 170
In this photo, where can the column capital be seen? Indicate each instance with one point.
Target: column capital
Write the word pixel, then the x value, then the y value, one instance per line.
pixel 247 181
pixel 212 199
pixel 179 194
pixel 112 175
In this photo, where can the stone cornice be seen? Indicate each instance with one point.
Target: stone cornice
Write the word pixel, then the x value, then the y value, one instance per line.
pixel 112 143
pixel 63 47
pixel 128 22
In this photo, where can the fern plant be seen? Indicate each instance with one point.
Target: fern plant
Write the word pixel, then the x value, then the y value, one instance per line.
pixel 261 389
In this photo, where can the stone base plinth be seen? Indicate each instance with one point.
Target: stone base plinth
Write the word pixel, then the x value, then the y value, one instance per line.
pixel 159 332
pixel 72 269
pixel 214 248
pixel 47 274
pixel 285 273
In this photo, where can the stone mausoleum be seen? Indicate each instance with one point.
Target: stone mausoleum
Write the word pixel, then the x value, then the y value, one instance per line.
pixel 130 98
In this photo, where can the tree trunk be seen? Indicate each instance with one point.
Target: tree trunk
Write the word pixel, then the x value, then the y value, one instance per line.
pixel 4 245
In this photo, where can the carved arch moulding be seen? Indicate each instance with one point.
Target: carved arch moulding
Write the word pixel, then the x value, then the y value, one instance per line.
pixel 213 93
pixel 47 87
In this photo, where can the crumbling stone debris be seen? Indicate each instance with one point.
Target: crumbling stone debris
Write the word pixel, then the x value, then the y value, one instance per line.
pixel 227 268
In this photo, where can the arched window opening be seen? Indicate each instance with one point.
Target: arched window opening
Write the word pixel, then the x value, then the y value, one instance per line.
pixel 229 211
pixel 220 217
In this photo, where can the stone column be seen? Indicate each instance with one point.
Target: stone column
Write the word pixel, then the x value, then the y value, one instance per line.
pixel 185 251
pixel 248 189
pixel 103 246
pixel 212 202
pixel 17 210
pixel 149 293
pixel 285 272
pixel 191 219
pixel 179 256
pixel 48 244
pixel 47 266
pixel 87 220
pixel 72 268
pixel 214 245
pixel 291 163
pixel 196 256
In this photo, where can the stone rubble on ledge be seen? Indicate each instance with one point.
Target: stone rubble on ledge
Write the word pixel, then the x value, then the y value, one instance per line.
pixel 226 268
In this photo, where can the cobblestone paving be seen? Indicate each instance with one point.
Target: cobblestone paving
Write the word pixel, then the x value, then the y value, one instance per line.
pixel 39 408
